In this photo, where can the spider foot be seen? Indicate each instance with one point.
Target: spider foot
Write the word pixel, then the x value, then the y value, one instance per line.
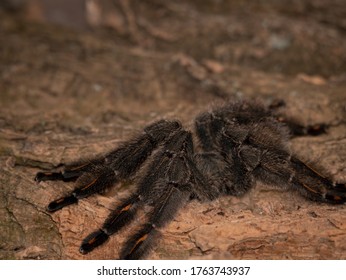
pixel 315 185
pixel 317 129
pixel 66 176
pixel 116 220
pixel 62 202
pixel 337 195
pixel 137 246
pixel 92 241
pixel 301 130
pixel 49 176
pixel 88 185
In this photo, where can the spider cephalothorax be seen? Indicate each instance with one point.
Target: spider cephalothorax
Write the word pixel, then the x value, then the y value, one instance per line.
pixel 234 146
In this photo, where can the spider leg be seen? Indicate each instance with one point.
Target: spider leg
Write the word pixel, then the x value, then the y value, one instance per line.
pixel 204 131
pixel 55 176
pixel 167 189
pixel 118 218
pixel 103 172
pixel 126 211
pixel 220 159
pixel 70 173
pixel 316 186
pixel 88 185
pixel 296 128
pixel 169 161
pixel 166 185
pixel 166 206
pixel 288 170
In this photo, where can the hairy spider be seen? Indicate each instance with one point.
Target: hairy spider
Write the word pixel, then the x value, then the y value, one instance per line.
pixel 235 145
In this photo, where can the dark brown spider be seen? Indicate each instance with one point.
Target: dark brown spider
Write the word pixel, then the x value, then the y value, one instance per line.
pixel 235 145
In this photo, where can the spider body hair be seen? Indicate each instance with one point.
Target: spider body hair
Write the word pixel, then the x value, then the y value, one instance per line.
pixel 231 147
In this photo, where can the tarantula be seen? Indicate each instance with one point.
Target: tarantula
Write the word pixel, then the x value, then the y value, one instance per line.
pixel 235 145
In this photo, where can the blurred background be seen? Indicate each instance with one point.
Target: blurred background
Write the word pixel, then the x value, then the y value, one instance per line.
pixel 257 33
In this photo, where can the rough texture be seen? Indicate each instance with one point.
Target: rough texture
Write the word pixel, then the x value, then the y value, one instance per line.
pixel 66 94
